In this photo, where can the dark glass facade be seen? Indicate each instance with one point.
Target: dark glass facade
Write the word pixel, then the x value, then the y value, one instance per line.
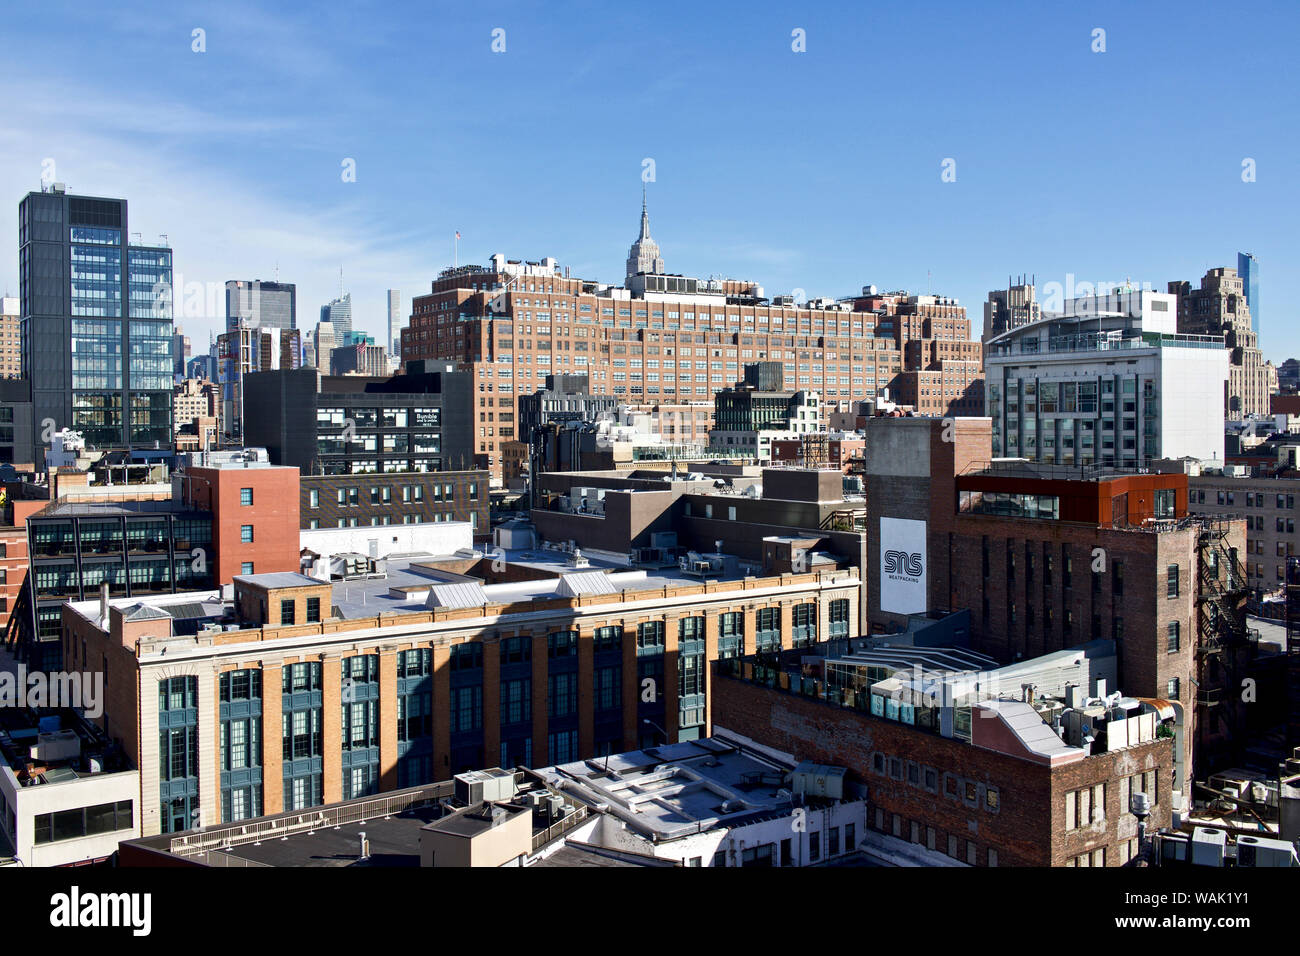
pixel 96 323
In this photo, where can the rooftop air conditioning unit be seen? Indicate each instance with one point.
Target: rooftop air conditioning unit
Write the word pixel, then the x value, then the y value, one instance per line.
pixel 1263 851
pixel 1209 846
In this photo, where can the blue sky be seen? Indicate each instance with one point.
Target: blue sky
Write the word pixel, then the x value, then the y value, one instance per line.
pixel 817 171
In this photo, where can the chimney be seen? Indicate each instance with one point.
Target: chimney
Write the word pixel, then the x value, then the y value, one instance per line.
pixel 103 603
pixel 365 846
pixel 1072 695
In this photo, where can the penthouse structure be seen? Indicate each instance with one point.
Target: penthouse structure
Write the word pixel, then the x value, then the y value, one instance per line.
pixel 676 339
pixel 67 794
pixel 442 664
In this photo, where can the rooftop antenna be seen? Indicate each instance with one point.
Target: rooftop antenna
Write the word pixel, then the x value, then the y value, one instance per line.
pixel 340 280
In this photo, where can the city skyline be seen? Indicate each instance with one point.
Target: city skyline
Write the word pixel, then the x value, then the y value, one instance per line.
pixel 762 194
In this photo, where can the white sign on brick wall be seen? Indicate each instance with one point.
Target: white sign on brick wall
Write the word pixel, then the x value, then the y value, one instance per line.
pixel 902 566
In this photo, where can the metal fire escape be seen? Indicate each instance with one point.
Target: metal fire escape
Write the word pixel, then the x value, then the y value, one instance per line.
pixel 1225 644
pixel 1292 654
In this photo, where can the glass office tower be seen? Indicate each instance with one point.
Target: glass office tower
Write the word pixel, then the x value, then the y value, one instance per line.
pixel 1248 269
pixel 339 314
pixel 96 319
pixel 255 304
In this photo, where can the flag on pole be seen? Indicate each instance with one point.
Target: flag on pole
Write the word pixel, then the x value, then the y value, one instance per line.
pixel 458 234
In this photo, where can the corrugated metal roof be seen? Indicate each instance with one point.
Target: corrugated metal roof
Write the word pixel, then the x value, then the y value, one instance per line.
pixel 144 612
pixel 585 582
pixel 464 594
pixel 1029 726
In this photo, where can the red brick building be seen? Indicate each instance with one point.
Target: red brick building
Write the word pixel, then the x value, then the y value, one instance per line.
pixel 673 339
pixel 1049 557
pixel 997 800
pixel 13 555
pixel 255 515
pixel 820 450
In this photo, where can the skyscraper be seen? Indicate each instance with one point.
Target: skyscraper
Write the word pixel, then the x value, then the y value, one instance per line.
pixel 394 321
pixel 1219 307
pixel 1248 269
pixel 644 254
pixel 180 352
pixel 339 314
pixel 261 305
pixel 11 352
pixel 1010 308
pixel 96 320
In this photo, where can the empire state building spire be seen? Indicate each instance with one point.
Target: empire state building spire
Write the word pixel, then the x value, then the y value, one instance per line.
pixel 644 254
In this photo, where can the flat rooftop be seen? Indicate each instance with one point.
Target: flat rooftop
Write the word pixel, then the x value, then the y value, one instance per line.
pixel 679 789
pixel 111 509
pixel 408 582
pixel 575 854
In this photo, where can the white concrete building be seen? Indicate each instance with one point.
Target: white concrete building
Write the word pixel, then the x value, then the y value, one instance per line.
pixel 60 803
pixel 712 803
pixel 328 551
pixel 1110 384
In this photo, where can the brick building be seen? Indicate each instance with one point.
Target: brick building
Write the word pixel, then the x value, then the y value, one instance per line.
pixel 675 339
pixel 447 664
pixel 1220 307
pixel 11 340
pixel 1012 794
pixel 1047 558
pixel 1268 505
pixel 14 559
pixel 353 501
pixel 821 450
pixel 254 512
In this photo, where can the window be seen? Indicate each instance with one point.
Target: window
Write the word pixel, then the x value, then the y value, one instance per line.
pixel 650 635
pixel 286 611
pixel 768 626
pixel 1085 807
pixel 245 496
pixel 1171 574
pixel 814 846
pixel 1172 688
pixel 246 534
pixel 839 618
pixel 757 855
pixel 246 567
pixel 313 610
pixel 83 821
pixel 731 635
pixel 1173 638
pixel 562 644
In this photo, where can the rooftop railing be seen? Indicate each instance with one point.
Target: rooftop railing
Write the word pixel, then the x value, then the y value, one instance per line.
pixel 202 842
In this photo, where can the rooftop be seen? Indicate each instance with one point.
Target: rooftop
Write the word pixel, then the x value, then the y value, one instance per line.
pixel 391 823
pixel 419 583
pixel 64 508
pixel 673 791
